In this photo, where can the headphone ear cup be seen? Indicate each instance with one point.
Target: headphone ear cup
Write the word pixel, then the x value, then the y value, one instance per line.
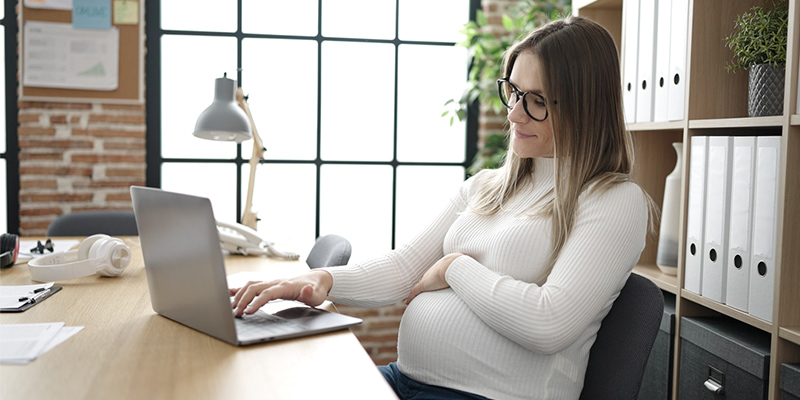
pixel 111 256
pixel 86 246
pixel 9 249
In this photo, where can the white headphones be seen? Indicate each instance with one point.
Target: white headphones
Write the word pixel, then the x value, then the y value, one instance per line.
pixel 101 254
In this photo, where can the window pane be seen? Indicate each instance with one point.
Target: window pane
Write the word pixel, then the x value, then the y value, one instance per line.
pixel 215 181
pixel 373 19
pixel 285 200
pixel 280 77
pixel 187 88
pixel 422 193
pixel 356 203
pixel 199 15
pixel 422 133
pixel 279 17
pixel 433 21
pixel 357 101
pixel 3 198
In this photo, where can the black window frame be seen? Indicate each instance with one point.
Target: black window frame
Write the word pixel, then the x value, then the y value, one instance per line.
pixel 11 155
pixel 154 159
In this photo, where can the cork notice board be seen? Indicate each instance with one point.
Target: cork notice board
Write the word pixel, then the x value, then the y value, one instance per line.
pixel 130 82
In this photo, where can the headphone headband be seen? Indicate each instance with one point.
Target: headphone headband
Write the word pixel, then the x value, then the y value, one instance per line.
pixel 99 254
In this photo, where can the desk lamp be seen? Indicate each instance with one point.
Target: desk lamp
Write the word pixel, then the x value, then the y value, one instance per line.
pixel 224 120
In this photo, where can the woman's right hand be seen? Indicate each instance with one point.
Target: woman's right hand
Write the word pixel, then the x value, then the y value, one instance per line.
pixel 311 288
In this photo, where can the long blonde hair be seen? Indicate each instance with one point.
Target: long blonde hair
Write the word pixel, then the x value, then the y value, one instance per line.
pixel 580 72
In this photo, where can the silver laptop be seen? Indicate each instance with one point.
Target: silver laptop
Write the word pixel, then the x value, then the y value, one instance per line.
pixel 186 275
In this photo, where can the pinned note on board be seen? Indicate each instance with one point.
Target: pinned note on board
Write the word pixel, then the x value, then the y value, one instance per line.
pixel 91 14
pixel 126 12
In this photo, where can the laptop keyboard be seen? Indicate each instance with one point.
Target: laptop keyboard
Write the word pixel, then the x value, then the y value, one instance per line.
pixel 263 324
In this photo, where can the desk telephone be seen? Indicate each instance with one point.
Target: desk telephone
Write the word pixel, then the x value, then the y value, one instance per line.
pixel 240 239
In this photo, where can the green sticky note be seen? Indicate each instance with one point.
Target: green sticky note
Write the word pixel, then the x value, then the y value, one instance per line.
pixel 126 12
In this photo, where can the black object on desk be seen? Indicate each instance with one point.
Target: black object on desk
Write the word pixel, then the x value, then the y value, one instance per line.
pixel 35 299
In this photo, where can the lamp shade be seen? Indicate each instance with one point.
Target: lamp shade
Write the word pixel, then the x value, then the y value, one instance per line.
pixel 223 119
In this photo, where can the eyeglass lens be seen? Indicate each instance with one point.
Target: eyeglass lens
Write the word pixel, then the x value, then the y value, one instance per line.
pixel 534 104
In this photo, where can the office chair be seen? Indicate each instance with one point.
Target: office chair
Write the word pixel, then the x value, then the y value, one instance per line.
pixel 329 251
pixel 86 223
pixel 619 355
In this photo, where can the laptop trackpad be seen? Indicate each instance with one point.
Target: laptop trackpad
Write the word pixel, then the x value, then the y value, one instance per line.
pixel 284 319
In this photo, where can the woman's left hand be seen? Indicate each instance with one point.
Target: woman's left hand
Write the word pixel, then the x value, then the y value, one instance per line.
pixel 434 277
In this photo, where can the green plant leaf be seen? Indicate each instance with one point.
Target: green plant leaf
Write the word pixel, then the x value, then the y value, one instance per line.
pixel 480 18
pixel 508 22
pixel 759 37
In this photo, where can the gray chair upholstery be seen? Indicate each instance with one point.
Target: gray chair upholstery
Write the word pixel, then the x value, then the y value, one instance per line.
pixel 619 356
pixel 86 223
pixel 329 251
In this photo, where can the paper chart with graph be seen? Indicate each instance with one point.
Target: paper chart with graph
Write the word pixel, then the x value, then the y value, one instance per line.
pixel 56 55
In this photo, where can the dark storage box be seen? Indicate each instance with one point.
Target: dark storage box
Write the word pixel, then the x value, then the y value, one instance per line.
pixel 657 380
pixel 723 355
pixel 790 381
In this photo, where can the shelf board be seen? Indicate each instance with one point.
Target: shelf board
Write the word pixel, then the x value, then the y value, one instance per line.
pixel 656 126
pixel 795 119
pixel 664 281
pixel 755 122
pixel 791 334
pixel 728 310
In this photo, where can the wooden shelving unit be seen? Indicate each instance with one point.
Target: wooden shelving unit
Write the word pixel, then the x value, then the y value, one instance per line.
pixel 716 105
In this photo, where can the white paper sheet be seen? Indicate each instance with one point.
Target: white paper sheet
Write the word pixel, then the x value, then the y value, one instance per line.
pixel 60 56
pixel 23 343
pixel 59 245
pixel 10 295
pixel 50 4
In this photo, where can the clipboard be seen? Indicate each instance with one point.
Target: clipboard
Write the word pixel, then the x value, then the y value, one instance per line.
pixel 53 290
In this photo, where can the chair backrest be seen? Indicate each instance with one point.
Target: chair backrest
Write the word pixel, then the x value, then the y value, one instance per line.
pixel 619 355
pixel 329 251
pixel 86 223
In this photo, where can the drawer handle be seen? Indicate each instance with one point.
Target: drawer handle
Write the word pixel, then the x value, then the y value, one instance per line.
pixel 713 386
pixel 716 381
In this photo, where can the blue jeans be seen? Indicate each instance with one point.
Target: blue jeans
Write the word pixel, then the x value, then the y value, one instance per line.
pixel 409 389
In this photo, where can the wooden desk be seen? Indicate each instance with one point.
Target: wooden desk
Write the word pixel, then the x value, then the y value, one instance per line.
pixel 127 351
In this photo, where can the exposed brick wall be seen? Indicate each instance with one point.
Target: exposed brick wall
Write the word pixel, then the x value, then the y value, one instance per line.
pixel 490 122
pixel 77 157
pixel 378 332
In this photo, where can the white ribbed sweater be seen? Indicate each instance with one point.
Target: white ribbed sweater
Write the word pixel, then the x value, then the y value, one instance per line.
pixel 494 332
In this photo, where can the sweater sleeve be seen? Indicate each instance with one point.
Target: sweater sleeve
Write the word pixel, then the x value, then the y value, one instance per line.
pixel 389 278
pixel 606 241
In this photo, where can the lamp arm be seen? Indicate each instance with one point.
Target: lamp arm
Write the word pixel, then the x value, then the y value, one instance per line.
pixel 250 217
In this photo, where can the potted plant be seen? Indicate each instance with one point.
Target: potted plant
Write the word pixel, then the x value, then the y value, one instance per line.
pixel 487 45
pixel 758 42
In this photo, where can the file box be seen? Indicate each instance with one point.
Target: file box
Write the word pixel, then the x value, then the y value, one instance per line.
pixel 721 358
pixel 790 382
pixel 657 380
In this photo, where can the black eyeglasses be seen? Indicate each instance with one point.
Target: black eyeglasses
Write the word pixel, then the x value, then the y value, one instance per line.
pixel 534 104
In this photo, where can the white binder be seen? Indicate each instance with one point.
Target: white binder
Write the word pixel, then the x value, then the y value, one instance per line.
pixel 765 212
pixel 679 31
pixel 742 179
pixel 661 77
pixel 695 215
pixel 631 47
pixel 646 68
pixel 718 200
